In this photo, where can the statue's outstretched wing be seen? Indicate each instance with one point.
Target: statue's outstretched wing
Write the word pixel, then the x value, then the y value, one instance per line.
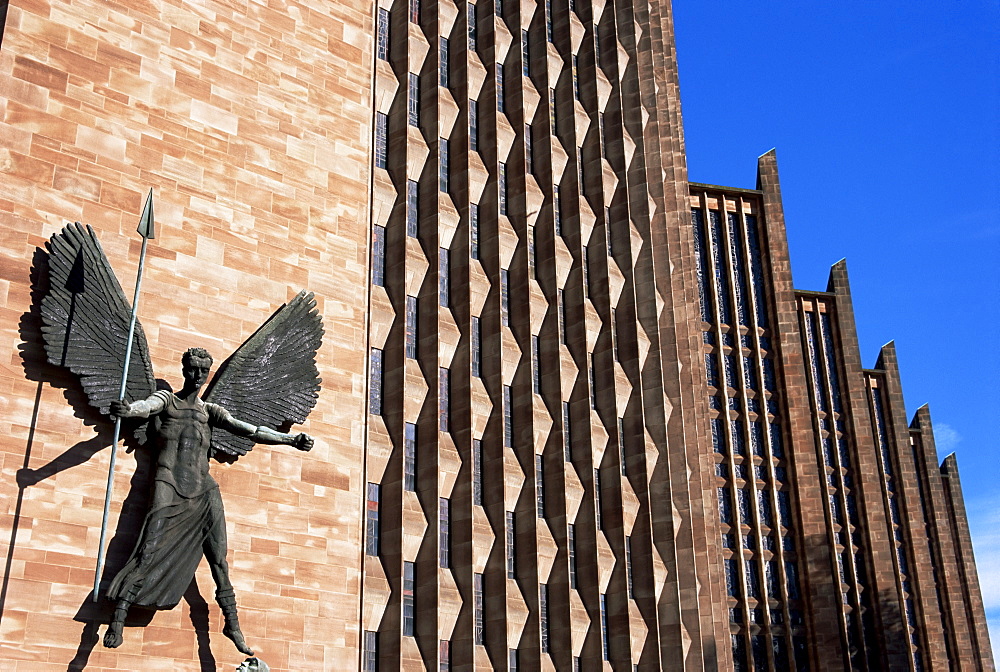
pixel 271 379
pixel 85 320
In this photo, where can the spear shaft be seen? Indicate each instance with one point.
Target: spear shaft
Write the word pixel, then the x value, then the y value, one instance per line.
pixel 146 230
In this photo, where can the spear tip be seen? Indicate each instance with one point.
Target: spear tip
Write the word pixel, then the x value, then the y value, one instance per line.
pixel 146 228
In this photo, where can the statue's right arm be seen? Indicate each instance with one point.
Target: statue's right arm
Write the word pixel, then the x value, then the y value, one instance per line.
pixel 138 409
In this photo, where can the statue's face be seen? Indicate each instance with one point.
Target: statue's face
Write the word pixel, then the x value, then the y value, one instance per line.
pixel 196 371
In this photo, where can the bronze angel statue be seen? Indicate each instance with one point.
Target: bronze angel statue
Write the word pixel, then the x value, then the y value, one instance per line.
pixel 268 384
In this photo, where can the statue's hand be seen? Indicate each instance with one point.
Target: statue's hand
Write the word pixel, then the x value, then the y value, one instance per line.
pixel 304 442
pixel 119 409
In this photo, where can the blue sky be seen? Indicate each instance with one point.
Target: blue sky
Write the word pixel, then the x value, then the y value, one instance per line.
pixel 885 119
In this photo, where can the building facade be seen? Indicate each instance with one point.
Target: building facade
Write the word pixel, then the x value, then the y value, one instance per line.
pixel 574 414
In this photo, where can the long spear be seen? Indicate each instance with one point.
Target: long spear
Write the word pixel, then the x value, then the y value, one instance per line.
pixel 146 230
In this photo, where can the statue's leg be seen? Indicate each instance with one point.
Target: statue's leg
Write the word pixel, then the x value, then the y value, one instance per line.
pixel 113 636
pixel 215 553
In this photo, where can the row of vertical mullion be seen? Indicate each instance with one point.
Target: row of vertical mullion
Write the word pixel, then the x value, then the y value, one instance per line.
pixel 779 551
pixel 827 387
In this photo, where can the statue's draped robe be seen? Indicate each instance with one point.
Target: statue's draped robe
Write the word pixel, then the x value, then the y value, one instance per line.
pixel 186 518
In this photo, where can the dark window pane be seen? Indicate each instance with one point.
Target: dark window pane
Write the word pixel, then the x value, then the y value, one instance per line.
pixel 411 327
pixel 412 213
pixel 413 99
pixel 375 383
pixel 443 63
pixel 444 398
pixel 477 369
pixel 443 171
pixel 444 532
pixel 378 256
pixel 444 277
pixel 381 140
pixel 511 551
pixel 539 487
pixel 410 457
pixel 372 528
pixel 382 36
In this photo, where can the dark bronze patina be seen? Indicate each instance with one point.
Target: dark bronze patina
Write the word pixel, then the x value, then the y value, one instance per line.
pixel 271 381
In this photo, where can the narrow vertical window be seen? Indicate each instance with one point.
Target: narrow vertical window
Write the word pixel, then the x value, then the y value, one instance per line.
pixel 504 297
pixel 412 213
pixel 567 444
pixel 477 472
pixel 531 252
pixel 444 655
pixel 408 607
pixel 556 210
pixel 473 125
pixel 411 327
pixel 378 256
pixel 414 11
pixel 552 111
pixel 444 398
pixel 498 8
pixel 571 552
pixel 443 172
pixel 372 527
pixel 410 457
pixel 543 615
pixel 607 231
pixel 413 99
pixel 536 367
pixel 477 589
pixel 614 334
pixel 474 230
pixel 477 353
pixel 502 188
pixel 512 660
pixel 508 418
pixel 443 63
pixel 579 169
pixel 576 77
pixel 577 665
pixel 601 135
pixel 592 379
pixel 548 21
pixel 444 277
pixel 473 29
pixel 444 532
pixel 500 99
pixel 381 140
pixel 539 487
pixel 621 446
pixel 628 567
pixel 375 384
pixel 511 551
pixel 585 267
pixel 529 157
pixel 382 39
pixel 561 309
pixel 605 652
pixel 525 54
pixel 371 651
pixel 597 499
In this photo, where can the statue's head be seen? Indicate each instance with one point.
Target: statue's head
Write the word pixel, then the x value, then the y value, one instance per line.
pixel 195 365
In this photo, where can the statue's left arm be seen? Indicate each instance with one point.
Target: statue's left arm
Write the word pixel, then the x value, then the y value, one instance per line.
pixel 259 434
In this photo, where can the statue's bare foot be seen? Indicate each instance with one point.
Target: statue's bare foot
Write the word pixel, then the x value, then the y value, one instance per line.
pixel 233 632
pixel 113 637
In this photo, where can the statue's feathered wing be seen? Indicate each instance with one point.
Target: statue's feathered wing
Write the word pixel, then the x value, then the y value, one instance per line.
pixel 272 378
pixel 85 319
